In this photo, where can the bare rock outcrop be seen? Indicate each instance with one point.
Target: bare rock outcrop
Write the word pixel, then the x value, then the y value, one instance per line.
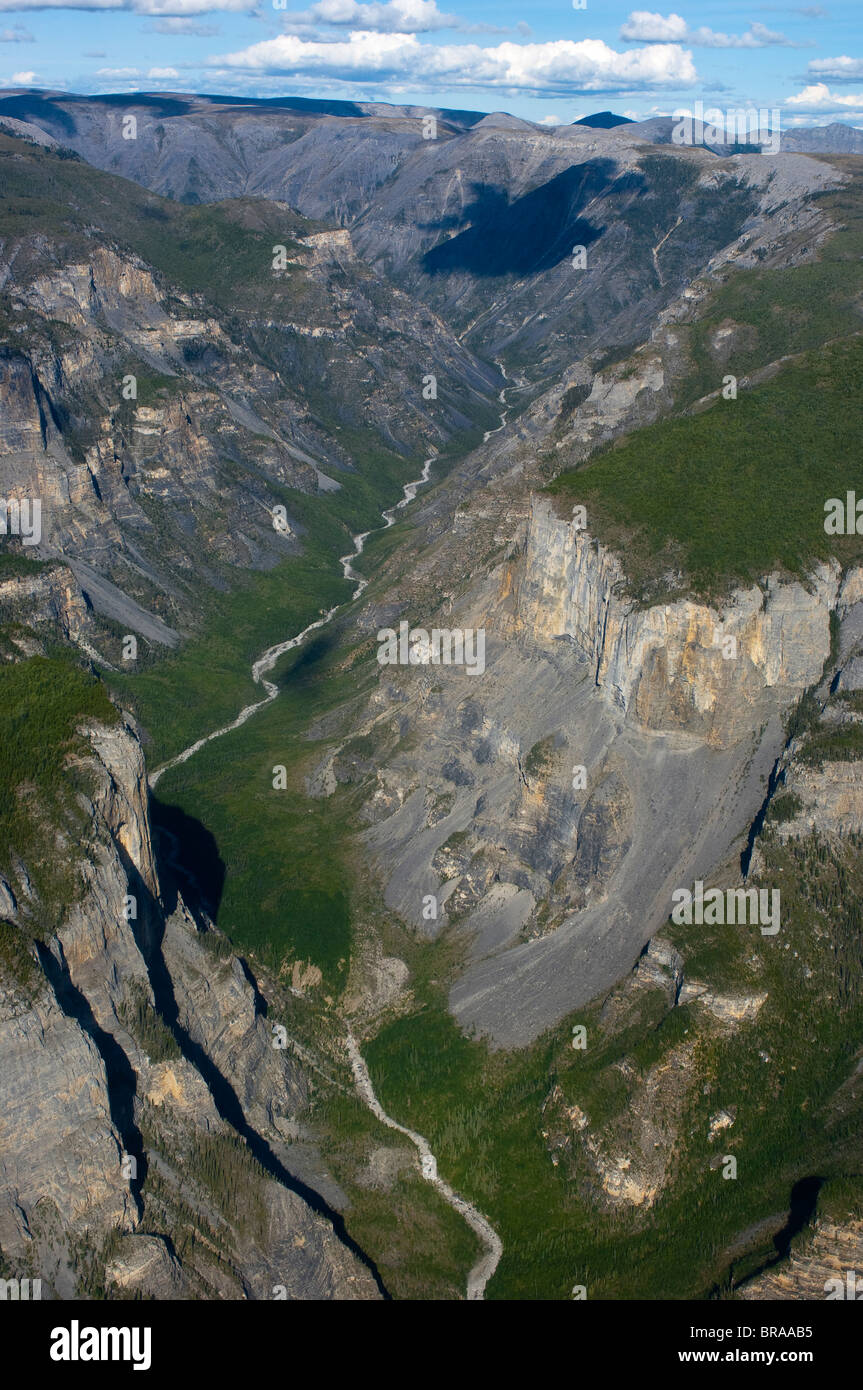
pixel 819 1269
pixel 669 664
pixel 141 1096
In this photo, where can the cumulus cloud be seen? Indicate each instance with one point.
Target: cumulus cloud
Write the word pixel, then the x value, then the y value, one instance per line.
pixel 560 68
pixel 23 79
pixel 643 26
pixel 388 17
pixel 818 97
pixel 837 69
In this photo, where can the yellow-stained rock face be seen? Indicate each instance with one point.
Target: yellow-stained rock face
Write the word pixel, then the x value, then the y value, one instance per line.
pixel 683 666
pixel 830 1265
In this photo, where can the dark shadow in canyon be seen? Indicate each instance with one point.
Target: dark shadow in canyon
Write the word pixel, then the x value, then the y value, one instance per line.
pixel 120 1077
pixel 149 930
pixel 530 234
pixel 186 849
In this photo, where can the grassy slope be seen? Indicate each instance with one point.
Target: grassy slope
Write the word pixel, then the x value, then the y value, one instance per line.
pixel 738 489
pixel 285 888
pixel 42 702
pixel 222 250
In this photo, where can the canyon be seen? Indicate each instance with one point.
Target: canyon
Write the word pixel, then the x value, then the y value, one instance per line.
pixel 154 1140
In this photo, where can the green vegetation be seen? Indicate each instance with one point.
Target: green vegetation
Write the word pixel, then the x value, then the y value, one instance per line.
pixel 15 565
pixel 823 741
pixel 735 491
pixel 421 1247
pixel 498 1120
pixel 89 1263
pixel 540 758
pixel 221 250
pixel 784 807
pixel 17 965
pixel 285 859
pixel 841 1200
pixel 773 314
pixel 42 703
pixel 179 698
pixel 232 1177
pixel 833 744
pixel 147 1027
pixel 851 699
pixel 804 716
pixel 738 488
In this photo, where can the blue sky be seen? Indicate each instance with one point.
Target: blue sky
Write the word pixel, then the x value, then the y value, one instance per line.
pixel 547 61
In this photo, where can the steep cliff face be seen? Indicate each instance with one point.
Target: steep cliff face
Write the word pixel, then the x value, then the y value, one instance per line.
pixel 608 755
pixel 141 1091
pixel 60 1152
pixel 682 665
pixel 827 1265
pixel 49 599
pixel 166 376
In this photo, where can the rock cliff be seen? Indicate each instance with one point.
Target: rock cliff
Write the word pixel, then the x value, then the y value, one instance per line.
pixel 827 1264
pixel 681 665
pixel 130 1049
pixel 609 754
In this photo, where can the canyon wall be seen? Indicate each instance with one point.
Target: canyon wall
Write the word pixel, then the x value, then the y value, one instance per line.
pixel 130 1048
pixel 674 714
pixel 679 665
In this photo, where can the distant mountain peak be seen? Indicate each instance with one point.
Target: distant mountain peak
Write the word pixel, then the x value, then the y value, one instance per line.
pixel 603 120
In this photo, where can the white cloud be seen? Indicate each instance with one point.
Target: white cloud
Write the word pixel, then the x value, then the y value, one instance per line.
pixel 23 79
pixel 377 16
pixel 837 69
pixel 389 17
pixel 818 97
pixel 550 120
pixel 118 72
pixel 17 34
pixel 148 7
pixel 163 72
pixel 560 67
pixel 654 28
pixel 643 26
